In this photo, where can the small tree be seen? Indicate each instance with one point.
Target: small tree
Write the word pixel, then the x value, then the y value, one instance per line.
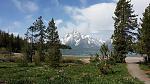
pixel 104 51
pixel 104 65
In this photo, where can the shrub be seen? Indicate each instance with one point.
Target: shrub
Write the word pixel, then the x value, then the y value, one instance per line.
pixel 104 68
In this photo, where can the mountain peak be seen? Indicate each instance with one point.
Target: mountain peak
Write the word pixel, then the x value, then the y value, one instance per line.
pixel 77 39
pixel 81 44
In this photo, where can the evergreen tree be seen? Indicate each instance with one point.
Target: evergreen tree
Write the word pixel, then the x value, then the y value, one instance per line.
pixel 53 44
pixel 18 44
pixel 36 37
pixel 40 34
pixel 124 33
pixel 28 48
pixel 145 34
pixel 104 51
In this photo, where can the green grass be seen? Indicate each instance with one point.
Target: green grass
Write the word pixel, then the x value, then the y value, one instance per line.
pixel 11 73
pixel 145 67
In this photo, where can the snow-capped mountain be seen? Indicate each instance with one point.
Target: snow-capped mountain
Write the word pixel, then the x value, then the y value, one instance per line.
pixel 81 44
pixel 80 40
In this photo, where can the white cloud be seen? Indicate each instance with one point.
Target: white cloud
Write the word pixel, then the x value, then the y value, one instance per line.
pixel 93 18
pixel 12 27
pixel 26 5
pixel 139 6
pixel 58 22
pixel 97 17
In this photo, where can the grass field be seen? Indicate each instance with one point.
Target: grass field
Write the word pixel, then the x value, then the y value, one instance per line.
pixel 11 73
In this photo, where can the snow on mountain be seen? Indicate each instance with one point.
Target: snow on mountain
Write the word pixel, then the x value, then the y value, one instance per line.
pixel 80 40
pixel 81 44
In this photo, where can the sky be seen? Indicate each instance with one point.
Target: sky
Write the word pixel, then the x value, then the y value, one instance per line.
pixel 93 17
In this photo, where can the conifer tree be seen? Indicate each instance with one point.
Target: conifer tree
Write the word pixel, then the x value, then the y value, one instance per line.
pixel 104 51
pixel 28 48
pixel 124 33
pixel 145 34
pixel 53 44
pixel 39 28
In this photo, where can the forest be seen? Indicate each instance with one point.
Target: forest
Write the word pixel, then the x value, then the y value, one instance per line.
pixel 10 42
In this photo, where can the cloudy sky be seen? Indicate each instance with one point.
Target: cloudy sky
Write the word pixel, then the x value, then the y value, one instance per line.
pixel 92 17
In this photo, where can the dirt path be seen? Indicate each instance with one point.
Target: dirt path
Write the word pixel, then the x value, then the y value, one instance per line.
pixel 134 69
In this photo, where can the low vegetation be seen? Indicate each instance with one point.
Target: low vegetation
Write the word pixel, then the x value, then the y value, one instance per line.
pixel 146 68
pixel 11 73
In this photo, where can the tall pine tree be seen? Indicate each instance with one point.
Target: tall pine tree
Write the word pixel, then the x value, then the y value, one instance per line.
pixel 53 44
pixel 40 35
pixel 125 25
pixel 145 34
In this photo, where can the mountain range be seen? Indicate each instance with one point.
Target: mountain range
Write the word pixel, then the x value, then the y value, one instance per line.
pixel 81 44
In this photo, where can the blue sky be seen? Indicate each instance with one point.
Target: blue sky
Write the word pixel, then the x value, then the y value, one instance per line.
pixel 92 17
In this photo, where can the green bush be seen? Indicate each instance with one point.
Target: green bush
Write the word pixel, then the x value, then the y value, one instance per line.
pixel 104 68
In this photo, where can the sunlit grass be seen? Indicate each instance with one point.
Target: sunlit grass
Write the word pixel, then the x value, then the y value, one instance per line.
pixel 71 74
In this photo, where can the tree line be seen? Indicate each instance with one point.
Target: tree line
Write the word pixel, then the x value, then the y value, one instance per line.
pixel 10 42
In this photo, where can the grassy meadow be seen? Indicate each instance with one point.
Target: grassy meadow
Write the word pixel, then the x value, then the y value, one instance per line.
pixel 68 73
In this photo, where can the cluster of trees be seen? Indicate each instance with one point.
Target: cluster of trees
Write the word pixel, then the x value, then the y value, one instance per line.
pixel 10 42
pixel 44 41
pixel 128 36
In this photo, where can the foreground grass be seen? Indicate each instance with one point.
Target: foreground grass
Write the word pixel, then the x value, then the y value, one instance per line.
pixel 11 73
pixel 146 68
